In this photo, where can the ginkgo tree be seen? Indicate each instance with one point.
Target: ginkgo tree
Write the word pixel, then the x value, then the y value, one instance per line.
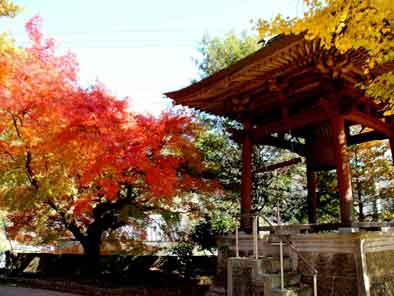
pixel 345 25
pixel 77 159
pixel 7 8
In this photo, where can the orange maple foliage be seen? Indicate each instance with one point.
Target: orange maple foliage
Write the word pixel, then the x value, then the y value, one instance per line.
pixel 80 152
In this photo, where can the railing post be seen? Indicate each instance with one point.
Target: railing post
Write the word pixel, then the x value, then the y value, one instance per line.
pixel 236 240
pixel 314 284
pixel 282 273
pixel 282 276
pixel 255 237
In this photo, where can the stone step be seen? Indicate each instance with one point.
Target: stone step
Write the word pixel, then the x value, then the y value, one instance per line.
pixel 273 250
pixel 216 291
pixel 292 291
pixel 271 264
pixel 284 244
pixel 276 239
pixel 273 280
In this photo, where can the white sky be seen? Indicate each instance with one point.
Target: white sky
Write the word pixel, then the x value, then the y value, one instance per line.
pixel 141 49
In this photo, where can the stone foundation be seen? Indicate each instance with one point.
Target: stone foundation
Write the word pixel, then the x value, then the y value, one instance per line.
pixel 360 263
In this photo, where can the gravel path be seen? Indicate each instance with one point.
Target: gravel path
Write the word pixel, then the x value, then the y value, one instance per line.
pixel 16 291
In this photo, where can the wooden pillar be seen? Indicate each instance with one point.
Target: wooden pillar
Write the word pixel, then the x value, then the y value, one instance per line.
pixel 246 185
pixel 391 139
pixel 390 120
pixel 343 169
pixel 312 194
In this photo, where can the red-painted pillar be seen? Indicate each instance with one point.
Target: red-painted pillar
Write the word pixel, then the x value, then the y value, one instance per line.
pixel 312 194
pixel 391 139
pixel 390 120
pixel 246 181
pixel 343 169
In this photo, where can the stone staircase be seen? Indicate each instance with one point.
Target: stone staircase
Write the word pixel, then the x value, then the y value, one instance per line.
pixel 292 279
pixel 271 279
pixel 261 277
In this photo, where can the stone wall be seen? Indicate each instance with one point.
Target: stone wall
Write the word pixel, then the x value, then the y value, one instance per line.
pixel 360 263
pixel 381 272
pixel 337 273
pixel 379 258
pixel 335 258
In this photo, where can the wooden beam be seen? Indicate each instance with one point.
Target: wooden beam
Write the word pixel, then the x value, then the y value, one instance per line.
pixel 246 181
pixel 369 121
pixel 280 142
pixel 279 165
pixel 343 169
pixel 297 121
pixel 365 137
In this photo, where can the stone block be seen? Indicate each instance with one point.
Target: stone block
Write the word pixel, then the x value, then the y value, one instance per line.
pixel 243 273
pixel 216 291
pixel 272 264
pixel 304 291
pixel 273 280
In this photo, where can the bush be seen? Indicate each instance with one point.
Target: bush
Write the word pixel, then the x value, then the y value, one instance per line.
pixel 206 231
pixel 184 253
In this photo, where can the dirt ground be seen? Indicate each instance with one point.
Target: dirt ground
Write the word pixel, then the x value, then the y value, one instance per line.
pixel 18 291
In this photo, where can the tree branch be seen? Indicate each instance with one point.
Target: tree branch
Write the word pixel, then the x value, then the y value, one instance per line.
pixel 29 170
pixel 15 123
pixel 69 225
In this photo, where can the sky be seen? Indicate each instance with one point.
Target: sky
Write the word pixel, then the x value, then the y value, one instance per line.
pixel 141 49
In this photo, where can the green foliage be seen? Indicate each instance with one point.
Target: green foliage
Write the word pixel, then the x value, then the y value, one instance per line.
pixel 221 155
pixel 219 53
pixel 222 224
pixel 328 197
pixel 205 233
pixel 283 188
pixel 372 178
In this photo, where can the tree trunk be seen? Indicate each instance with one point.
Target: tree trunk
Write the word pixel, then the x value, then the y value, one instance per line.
pixel 361 216
pixel 105 218
pixel 91 244
pixel 91 250
pixel 375 213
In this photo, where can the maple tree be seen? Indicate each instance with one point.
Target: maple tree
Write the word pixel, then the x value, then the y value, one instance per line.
pixel 76 159
pixel 345 25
